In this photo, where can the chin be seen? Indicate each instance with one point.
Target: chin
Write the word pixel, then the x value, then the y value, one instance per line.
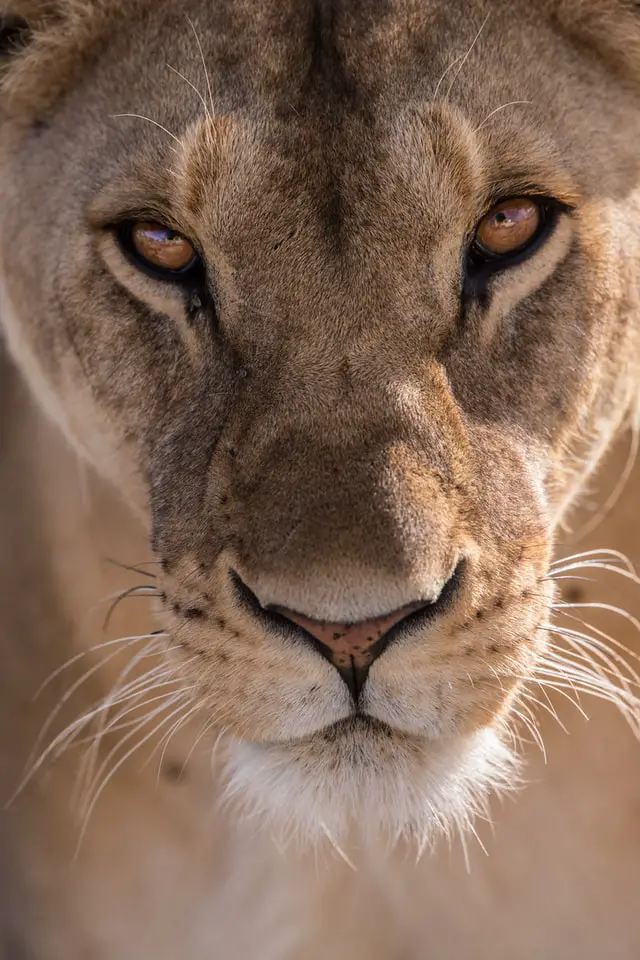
pixel 359 780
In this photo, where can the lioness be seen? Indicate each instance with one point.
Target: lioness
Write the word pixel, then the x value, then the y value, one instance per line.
pixel 326 311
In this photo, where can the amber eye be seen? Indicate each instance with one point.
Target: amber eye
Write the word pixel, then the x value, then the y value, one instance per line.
pixel 159 248
pixel 509 227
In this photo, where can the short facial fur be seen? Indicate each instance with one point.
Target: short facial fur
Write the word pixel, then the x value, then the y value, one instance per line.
pixel 330 416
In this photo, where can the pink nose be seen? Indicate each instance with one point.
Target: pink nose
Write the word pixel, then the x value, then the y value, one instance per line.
pixel 351 645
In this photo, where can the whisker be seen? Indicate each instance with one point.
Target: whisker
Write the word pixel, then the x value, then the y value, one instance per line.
pixel 584 604
pixel 605 636
pixel 83 653
pixel 617 492
pixel 610 568
pixel 563 693
pixel 118 723
pixel 336 846
pixel 129 567
pixel 60 743
pixel 151 591
pixel 172 698
pixel 66 697
pixel 604 651
pixel 168 737
pixel 559 674
pixel 503 106
pixel 552 578
pixel 466 57
pixel 602 553
pixel 204 67
pixel 163 675
pixel 556 680
pixel 114 697
pixel 206 727
pixel 531 726
pixel 137 746
pixel 193 87
pixel 139 116
pixel 578 664
pixel 548 706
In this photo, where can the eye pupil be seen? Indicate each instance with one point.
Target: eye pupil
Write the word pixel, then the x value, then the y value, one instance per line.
pixel 161 248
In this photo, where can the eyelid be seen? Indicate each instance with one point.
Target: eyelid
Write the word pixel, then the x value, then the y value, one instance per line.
pixel 545 200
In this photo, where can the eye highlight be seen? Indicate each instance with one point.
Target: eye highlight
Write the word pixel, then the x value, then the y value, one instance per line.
pixel 158 249
pixel 508 228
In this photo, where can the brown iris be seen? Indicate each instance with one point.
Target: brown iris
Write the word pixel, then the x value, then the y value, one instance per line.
pixel 509 227
pixel 161 247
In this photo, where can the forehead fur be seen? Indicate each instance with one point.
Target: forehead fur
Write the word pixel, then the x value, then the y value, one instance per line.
pixel 392 36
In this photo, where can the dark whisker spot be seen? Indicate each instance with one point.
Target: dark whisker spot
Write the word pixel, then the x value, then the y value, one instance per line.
pixel 193 613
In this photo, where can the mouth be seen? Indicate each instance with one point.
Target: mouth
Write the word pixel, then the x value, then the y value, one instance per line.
pixel 357 727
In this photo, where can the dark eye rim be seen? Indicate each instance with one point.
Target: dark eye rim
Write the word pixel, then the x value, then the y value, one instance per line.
pixel 192 272
pixel 481 264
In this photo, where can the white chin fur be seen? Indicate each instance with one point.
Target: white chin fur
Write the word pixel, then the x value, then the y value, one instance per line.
pixel 368 783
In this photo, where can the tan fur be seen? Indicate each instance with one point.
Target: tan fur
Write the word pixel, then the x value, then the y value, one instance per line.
pixel 330 424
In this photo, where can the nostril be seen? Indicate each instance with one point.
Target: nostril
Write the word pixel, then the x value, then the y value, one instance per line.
pixel 353 647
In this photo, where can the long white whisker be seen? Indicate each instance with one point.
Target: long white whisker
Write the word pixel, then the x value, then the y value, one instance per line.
pixel 84 653
pixel 65 699
pixel 600 633
pixel 172 698
pixel 602 553
pixel 610 568
pixel 98 792
pixel 131 695
pixel 168 737
pixel 193 87
pixel 109 700
pixel 466 57
pixel 139 116
pixel 584 605
pixel 611 656
pixel 618 490
pixel 503 106
pixel 204 66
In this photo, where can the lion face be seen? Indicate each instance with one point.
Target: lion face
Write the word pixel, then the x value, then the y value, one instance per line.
pixel 348 321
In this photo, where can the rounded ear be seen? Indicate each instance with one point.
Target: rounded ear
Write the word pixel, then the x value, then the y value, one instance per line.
pixel 610 27
pixel 33 34
pixel 14 33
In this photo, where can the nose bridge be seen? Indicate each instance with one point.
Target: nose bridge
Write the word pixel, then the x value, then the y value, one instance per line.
pixel 346 513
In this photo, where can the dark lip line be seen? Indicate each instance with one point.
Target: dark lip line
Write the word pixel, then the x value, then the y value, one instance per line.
pixel 340 727
pixel 276 623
